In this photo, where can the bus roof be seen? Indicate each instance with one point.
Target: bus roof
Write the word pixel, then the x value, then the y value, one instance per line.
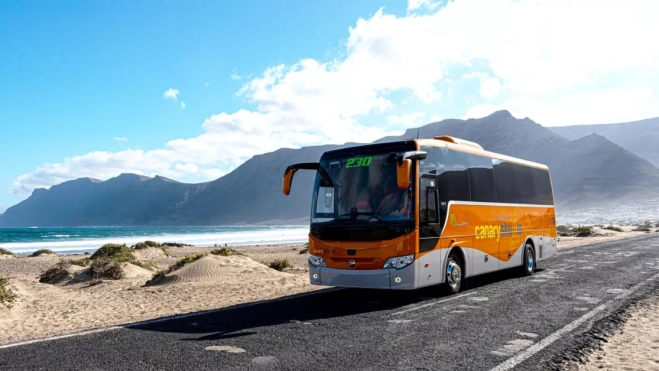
pixel 474 148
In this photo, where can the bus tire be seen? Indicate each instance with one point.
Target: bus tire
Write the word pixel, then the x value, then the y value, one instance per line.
pixel 528 264
pixel 454 274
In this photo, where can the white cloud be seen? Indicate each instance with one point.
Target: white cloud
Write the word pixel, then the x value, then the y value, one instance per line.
pixel 121 139
pixel 235 76
pixel 550 60
pixel 418 4
pixel 171 94
pixel 182 104
pixel 601 106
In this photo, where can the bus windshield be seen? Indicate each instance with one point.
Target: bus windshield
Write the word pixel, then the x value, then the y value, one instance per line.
pixel 364 188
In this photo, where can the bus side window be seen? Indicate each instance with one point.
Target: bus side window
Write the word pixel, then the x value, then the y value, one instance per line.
pixel 525 185
pixel 481 179
pixel 542 186
pixel 504 179
pixel 428 200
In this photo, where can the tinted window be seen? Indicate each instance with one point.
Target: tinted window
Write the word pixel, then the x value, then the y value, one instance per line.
pixel 452 176
pixel 428 200
pixel 504 178
pixel 481 179
pixel 525 185
pixel 542 186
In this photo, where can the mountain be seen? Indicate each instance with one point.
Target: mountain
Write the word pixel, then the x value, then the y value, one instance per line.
pixel 638 137
pixel 587 171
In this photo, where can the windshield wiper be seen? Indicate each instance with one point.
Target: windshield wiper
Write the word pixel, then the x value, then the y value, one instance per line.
pixel 354 214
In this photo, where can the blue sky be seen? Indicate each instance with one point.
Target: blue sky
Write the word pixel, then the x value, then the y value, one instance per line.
pixel 83 83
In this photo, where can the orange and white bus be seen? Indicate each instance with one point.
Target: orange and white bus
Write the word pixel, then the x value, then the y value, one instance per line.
pixel 426 212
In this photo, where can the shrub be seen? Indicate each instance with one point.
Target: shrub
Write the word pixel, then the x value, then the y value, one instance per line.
pixel 103 267
pixel 115 252
pixel 226 251
pixel 641 229
pixel 146 244
pixel 7 296
pixel 304 251
pixel 175 244
pixel 149 266
pixel 43 251
pixel 56 272
pixel 583 231
pixel 5 252
pixel 84 262
pixel 612 228
pixel 562 228
pixel 280 264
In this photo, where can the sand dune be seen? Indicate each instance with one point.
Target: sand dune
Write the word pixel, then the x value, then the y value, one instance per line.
pixel 222 269
pixel 635 347
pixel 150 253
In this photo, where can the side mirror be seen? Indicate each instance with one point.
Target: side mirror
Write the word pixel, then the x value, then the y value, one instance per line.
pixel 403 174
pixel 286 181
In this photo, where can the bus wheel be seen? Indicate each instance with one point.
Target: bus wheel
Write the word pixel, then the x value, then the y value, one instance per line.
pixel 528 267
pixel 453 274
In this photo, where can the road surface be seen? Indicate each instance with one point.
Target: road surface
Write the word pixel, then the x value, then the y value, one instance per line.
pixel 500 322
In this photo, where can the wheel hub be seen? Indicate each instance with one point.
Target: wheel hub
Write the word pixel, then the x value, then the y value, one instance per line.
pixel 454 274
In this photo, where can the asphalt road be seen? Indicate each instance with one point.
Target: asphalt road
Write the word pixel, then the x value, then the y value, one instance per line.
pixel 502 321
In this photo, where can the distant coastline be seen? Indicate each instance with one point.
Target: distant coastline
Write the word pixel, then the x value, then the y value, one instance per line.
pixel 80 240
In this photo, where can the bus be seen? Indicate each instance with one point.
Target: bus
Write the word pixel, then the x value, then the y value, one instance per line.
pixel 425 212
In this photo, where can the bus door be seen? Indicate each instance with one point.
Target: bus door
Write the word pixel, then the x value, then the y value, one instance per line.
pixel 429 231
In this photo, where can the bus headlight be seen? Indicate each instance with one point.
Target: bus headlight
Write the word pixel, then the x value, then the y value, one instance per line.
pixel 399 262
pixel 316 261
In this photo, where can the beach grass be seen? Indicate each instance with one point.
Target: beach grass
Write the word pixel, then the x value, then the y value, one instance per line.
pixel 280 264
pixel 57 271
pixel 7 296
pixel 5 252
pixel 43 252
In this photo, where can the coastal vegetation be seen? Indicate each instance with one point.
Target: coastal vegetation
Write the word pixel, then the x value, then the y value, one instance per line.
pixel 5 252
pixel 43 252
pixel 7 296
pixel 280 264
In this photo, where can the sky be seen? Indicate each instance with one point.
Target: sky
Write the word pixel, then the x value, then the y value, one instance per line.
pixel 190 90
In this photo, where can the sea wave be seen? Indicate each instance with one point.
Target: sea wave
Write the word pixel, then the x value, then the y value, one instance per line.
pixel 264 236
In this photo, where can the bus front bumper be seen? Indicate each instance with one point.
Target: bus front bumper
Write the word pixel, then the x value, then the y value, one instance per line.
pixel 387 279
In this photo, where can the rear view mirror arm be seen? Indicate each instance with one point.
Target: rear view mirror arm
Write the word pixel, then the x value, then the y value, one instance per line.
pixel 411 155
pixel 292 169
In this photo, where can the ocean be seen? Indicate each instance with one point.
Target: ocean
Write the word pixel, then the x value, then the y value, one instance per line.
pixel 24 241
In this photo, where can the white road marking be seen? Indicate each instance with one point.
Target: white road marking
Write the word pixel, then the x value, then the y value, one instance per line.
pixel 530 351
pixel 513 347
pixel 536 280
pixel 479 298
pixel 552 271
pixel 171 318
pixel 225 348
pixel 616 291
pixel 581 309
pixel 430 304
pixel 399 320
pixel 527 334
pixel 589 299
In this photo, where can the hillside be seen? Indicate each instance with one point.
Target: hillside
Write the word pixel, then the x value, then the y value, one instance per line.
pixel 587 171
pixel 638 137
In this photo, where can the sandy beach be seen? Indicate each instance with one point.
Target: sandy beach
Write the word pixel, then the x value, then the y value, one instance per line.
pixel 635 346
pixel 76 302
